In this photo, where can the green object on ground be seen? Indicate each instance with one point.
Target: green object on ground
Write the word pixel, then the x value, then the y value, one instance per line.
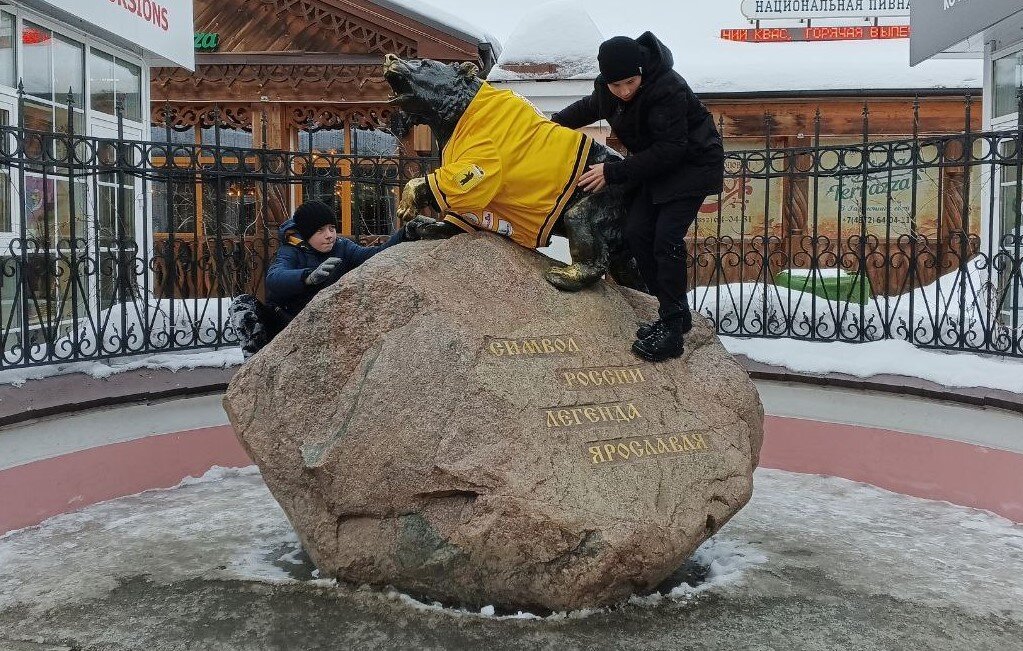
pixel 832 284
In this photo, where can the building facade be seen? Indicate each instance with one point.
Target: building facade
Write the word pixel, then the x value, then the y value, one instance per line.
pixel 82 72
pixel 303 76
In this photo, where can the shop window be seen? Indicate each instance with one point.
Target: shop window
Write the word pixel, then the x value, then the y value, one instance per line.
pixel 8 71
pixel 112 80
pixel 323 141
pixel 228 137
pixel 1008 78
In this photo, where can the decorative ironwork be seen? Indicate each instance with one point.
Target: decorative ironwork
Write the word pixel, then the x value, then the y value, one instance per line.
pixel 123 247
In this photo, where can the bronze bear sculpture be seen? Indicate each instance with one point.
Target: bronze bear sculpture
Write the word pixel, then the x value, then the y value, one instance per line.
pixel 439 95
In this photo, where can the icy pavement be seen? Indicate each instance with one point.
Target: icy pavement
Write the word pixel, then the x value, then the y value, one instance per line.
pixel 811 563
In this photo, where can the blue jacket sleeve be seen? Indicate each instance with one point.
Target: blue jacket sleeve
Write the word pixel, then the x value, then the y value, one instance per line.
pixel 354 255
pixel 285 275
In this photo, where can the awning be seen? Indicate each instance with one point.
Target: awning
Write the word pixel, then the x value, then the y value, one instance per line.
pixel 940 24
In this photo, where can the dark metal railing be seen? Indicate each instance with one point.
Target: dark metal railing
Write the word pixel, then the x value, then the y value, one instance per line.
pixel 118 246
pixel 915 238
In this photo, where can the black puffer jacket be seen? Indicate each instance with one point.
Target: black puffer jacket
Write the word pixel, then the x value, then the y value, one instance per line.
pixel 674 147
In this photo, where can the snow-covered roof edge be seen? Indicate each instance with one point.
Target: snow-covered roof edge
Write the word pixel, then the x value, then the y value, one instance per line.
pixel 443 21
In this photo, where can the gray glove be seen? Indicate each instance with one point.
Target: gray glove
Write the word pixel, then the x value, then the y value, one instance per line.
pixel 323 272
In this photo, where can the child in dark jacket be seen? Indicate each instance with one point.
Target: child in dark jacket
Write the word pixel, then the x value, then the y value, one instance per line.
pixel 311 256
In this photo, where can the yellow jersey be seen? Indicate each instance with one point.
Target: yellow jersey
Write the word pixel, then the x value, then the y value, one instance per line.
pixel 508 169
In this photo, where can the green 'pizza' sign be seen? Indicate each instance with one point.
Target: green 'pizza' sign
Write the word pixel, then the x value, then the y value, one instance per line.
pixel 206 41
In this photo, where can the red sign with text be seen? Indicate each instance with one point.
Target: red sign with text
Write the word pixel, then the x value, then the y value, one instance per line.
pixel 802 34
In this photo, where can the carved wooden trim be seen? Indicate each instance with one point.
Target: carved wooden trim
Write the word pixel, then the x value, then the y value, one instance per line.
pixel 313 117
pixel 201 116
pixel 290 76
pixel 344 27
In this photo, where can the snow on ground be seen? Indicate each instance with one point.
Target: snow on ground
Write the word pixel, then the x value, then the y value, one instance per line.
pixel 226 525
pixel 222 358
pixel 888 357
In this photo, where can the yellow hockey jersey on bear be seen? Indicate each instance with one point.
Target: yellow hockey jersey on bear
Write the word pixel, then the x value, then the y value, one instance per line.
pixel 508 169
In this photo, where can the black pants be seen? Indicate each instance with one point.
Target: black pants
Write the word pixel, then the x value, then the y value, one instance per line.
pixel 656 234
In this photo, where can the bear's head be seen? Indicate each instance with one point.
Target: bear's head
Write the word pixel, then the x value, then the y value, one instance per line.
pixel 429 92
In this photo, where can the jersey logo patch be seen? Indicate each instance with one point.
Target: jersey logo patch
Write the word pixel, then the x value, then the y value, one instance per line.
pixel 470 177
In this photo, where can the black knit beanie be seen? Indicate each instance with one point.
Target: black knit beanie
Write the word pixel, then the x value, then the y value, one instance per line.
pixel 311 216
pixel 619 58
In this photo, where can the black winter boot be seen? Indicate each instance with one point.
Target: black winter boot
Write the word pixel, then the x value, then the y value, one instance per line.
pixel 647 329
pixel 665 342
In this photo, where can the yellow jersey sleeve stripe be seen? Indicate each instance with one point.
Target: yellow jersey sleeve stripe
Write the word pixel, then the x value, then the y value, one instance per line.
pixel 456 219
pixel 544 236
pixel 438 193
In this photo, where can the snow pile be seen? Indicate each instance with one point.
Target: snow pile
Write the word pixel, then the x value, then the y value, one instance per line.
pixel 891 357
pixel 559 33
pixel 145 327
pixel 956 309
pixel 223 358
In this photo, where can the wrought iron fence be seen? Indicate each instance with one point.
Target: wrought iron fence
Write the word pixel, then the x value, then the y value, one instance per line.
pixel 916 238
pixel 118 246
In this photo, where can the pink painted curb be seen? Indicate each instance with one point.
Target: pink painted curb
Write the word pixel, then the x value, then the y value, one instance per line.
pixel 911 464
pixel 922 466
pixel 35 491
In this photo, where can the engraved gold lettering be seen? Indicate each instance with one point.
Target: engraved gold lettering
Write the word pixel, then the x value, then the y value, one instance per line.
pixel 572 346
pixel 620 415
pixel 575 414
pixel 608 376
pixel 529 347
pixel 637 448
pixel 621 376
pixel 565 417
pixel 595 378
pixel 559 345
pixel 635 376
pixel 496 348
pixel 569 379
pixel 592 414
pixel 581 378
pixel 547 347
pixel 551 422
pixel 512 347
pixel 633 412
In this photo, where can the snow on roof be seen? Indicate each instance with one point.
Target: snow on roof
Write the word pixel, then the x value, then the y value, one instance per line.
pixel 559 34
pixel 709 63
pixel 445 21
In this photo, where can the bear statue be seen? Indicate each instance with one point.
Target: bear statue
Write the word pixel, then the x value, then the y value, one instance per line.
pixel 506 168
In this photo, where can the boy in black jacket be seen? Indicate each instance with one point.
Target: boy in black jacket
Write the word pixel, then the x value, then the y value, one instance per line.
pixel 675 161
pixel 311 256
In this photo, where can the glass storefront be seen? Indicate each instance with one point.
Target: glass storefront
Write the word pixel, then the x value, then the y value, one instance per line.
pixel 1008 79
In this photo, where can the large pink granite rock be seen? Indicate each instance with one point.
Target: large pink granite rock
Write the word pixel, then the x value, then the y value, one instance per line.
pixel 444 421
